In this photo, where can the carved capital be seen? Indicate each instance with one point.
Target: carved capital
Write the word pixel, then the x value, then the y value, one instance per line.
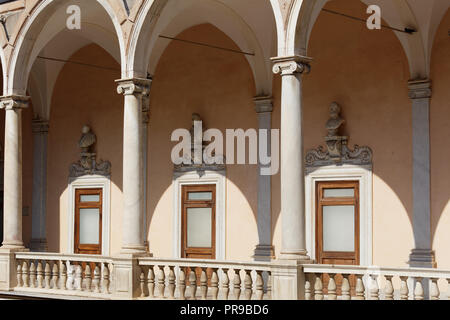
pixel 134 86
pixel 263 104
pixel 14 102
pixel 291 65
pixel 419 89
pixel 39 126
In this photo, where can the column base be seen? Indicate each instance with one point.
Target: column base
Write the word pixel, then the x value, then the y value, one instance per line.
pixel 264 253
pixel 299 255
pixel 134 250
pixel 39 245
pixel 422 258
pixel 12 245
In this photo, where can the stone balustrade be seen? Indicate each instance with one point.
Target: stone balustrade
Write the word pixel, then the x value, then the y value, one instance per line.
pixel 190 279
pixel 62 274
pixel 331 282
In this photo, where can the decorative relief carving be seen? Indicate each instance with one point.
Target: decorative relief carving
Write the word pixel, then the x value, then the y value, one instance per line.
pixel 213 163
pixel 291 65
pixel 337 151
pixel 88 165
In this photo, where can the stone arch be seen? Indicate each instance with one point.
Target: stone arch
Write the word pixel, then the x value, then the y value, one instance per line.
pixel 160 16
pixel 44 23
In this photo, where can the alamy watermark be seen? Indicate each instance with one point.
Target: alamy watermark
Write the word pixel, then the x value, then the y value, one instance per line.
pixel 197 147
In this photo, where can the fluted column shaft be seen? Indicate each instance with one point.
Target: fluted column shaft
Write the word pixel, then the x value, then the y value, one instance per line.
pixel 12 234
pixel 39 204
pixel 133 223
pixel 292 164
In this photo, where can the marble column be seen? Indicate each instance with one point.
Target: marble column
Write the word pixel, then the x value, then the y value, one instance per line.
pixel 420 94
pixel 12 234
pixel 39 204
pixel 292 160
pixel 264 249
pixel 133 220
pixel 145 122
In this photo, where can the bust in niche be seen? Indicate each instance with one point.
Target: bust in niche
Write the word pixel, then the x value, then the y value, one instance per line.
pixel 335 121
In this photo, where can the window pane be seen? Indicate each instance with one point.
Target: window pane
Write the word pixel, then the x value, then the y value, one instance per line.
pixel 199 227
pixel 339 228
pixel 339 193
pixel 89 226
pixel 90 198
pixel 204 196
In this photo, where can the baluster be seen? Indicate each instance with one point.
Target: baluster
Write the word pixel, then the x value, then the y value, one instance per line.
pixel 142 279
pixel 214 284
pixel 404 291
pixel 204 284
pixel 259 285
pixel 388 289
pixel 25 274
pixel 78 277
pixel 40 275
pixel 248 285
pixel 70 276
pixel 106 281
pixel 182 283
pixel 32 275
pixel 19 274
pixel 193 284
pixel 225 284
pixel 151 282
pixel 55 274
pixel 360 289
pixel 332 287
pixel 308 290
pixel 171 282
pixel 88 278
pixel 434 291
pixel 418 291
pixel 47 275
pixel 269 285
pixel 318 287
pixel 161 282
pixel 237 284
pixel 63 279
pixel 96 281
pixel 345 287
pixel 374 289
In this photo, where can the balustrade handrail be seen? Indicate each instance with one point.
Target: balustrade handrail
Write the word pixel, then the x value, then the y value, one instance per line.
pixel 389 271
pixel 62 257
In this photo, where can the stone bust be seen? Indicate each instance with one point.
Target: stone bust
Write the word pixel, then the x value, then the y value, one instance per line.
pixel 87 139
pixel 335 121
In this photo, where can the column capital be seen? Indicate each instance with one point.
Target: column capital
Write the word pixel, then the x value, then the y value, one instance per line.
pixel 133 86
pixel 39 125
pixel 14 102
pixel 263 104
pixel 291 65
pixel 419 89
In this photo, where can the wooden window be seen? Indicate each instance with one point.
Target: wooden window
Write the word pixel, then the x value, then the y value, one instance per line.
pixel 198 210
pixel 337 222
pixel 88 221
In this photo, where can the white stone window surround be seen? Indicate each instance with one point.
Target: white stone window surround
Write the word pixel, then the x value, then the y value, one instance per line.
pixel 362 174
pixel 91 182
pixel 217 178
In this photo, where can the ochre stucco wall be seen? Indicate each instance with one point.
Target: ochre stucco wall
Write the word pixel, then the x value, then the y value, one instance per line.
pixel 219 86
pixel 84 95
pixel 366 72
pixel 440 144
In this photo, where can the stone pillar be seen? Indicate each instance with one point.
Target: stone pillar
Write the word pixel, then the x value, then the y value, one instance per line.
pixel 145 122
pixel 133 220
pixel 12 235
pixel 292 161
pixel 422 255
pixel 264 249
pixel 39 205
